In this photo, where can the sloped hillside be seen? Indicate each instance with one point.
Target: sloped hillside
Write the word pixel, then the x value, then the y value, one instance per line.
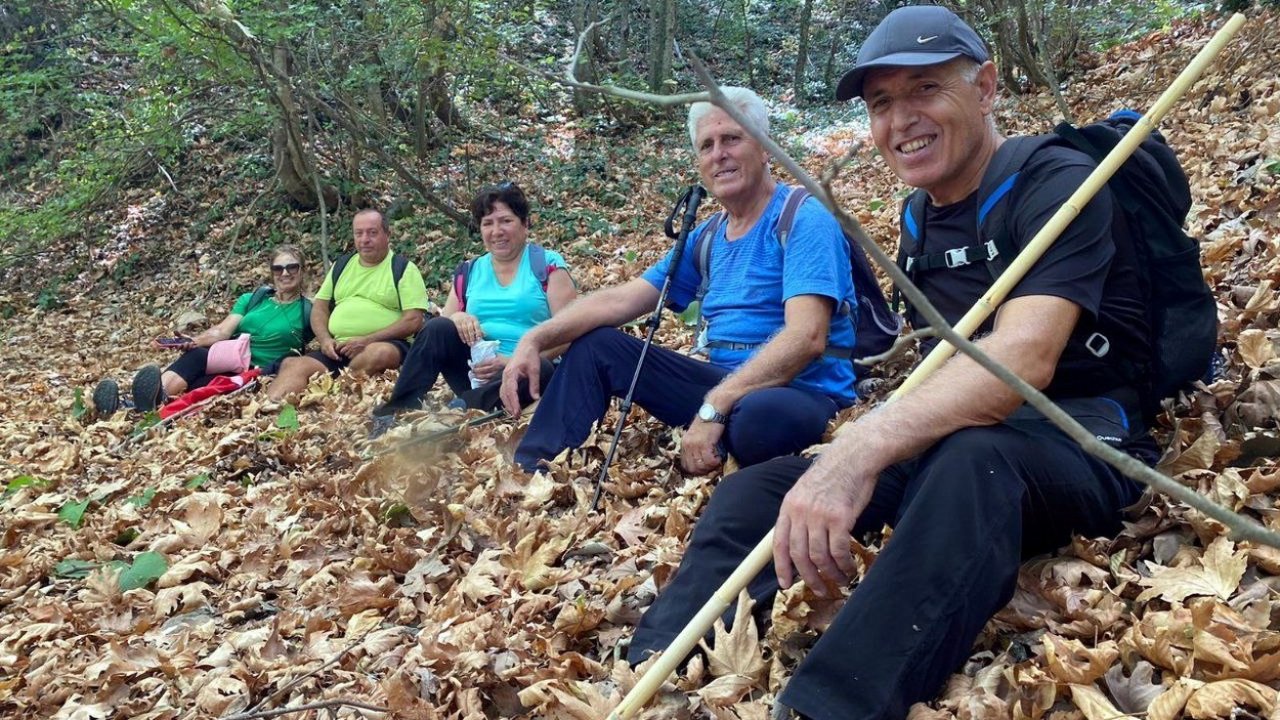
pixel 244 560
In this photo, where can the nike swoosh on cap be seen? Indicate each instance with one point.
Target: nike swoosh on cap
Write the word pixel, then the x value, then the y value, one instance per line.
pixel 923 40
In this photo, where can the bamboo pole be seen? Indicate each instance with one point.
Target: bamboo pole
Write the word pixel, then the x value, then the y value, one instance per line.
pixel 761 556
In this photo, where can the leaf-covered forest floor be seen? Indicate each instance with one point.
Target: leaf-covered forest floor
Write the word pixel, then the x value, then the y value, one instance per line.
pixel 274 565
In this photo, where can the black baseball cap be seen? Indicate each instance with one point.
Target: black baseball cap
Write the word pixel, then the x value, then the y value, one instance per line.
pixel 910 37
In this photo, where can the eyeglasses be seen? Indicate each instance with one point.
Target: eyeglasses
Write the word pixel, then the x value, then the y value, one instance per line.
pixel 292 268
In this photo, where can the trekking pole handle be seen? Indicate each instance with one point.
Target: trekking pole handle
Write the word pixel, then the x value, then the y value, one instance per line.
pixel 761 556
pixel 688 202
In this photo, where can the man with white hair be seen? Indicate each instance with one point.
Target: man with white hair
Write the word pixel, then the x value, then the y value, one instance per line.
pixel 776 375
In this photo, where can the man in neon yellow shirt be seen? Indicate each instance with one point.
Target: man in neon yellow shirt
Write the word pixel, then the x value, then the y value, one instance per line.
pixel 366 319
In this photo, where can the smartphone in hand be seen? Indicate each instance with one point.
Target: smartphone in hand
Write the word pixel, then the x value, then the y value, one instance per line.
pixel 175 342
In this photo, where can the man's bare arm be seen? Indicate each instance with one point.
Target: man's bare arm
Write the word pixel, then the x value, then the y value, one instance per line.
pixel 802 339
pixel 821 509
pixel 604 308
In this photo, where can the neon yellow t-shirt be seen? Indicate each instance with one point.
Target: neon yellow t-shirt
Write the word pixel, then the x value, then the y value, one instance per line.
pixel 365 301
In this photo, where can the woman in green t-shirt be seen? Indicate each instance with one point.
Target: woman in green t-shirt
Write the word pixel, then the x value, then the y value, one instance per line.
pixel 276 320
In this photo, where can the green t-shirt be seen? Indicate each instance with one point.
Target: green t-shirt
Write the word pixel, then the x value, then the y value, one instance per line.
pixel 276 328
pixel 365 301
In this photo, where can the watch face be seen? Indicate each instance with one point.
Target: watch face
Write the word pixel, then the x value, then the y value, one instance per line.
pixel 706 412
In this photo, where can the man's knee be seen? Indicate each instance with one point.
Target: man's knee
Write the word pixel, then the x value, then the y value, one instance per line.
pixel 773 422
pixel 375 358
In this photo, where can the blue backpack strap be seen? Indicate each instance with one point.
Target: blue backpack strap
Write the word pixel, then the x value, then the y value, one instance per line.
pixel 994 192
pixel 538 264
pixel 787 219
pixel 702 254
pixel 909 236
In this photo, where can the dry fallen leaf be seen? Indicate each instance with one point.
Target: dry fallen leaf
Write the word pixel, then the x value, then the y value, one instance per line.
pixel 1219 575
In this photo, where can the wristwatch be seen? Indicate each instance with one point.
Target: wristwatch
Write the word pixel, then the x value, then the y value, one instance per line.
pixel 708 413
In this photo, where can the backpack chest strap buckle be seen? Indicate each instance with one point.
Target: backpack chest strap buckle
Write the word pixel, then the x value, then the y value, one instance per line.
pixel 959 257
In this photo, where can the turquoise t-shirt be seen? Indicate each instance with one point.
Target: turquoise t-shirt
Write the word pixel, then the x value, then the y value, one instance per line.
pixel 507 313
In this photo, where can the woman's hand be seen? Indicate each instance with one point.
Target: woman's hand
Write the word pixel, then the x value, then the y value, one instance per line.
pixel 468 327
pixel 490 369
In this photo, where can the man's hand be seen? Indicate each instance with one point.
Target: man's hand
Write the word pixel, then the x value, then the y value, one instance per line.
pixel 329 347
pixel 817 516
pixel 699 449
pixel 490 369
pixel 352 347
pixel 525 363
pixel 468 327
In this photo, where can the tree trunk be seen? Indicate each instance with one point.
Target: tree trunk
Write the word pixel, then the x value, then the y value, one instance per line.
pixel 292 161
pixel 802 53
pixel 837 38
pixel 585 13
pixel 662 30
pixel 746 42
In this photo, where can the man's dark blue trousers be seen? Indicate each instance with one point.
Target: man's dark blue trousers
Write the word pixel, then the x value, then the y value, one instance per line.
pixel 599 365
pixel 965 514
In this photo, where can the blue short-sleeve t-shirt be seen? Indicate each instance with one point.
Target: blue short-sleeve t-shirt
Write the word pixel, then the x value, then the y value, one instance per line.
pixel 507 312
pixel 752 277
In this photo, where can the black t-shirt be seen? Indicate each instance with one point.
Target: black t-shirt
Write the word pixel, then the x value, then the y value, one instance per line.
pixel 1084 265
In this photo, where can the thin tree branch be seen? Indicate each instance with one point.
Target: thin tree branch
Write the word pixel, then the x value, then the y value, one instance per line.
pixel 1240 526
pixel 900 346
pixel 325 704
pixel 299 680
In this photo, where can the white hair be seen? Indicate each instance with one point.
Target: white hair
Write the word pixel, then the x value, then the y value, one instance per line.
pixel 744 99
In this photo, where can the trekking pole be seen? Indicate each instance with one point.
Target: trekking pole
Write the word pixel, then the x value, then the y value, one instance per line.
pixel 762 554
pixel 688 205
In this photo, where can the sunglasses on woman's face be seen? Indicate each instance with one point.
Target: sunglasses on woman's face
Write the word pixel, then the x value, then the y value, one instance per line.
pixel 291 268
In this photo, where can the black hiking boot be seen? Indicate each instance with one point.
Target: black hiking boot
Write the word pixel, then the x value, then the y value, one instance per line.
pixel 106 397
pixel 148 394
pixel 381 425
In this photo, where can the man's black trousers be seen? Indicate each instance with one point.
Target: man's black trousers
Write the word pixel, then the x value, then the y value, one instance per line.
pixel 965 514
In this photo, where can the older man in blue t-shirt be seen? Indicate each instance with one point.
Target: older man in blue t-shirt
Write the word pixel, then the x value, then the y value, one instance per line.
pixel 779 346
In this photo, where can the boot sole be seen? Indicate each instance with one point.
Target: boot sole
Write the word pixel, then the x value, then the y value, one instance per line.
pixel 146 389
pixel 106 398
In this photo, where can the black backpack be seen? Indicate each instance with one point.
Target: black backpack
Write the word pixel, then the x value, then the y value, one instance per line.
pixel 875 325
pixel 266 291
pixel 537 262
pixel 398 265
pixel 1152 198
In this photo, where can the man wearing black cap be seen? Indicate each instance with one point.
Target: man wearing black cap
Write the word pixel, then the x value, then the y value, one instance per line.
pixel 971 480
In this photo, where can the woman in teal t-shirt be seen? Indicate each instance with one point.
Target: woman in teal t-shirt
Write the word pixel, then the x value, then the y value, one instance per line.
pixel 277 322
pixel 504 298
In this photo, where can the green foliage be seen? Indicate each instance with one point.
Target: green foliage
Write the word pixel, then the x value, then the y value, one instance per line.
pixel 23 481
pixel 76 569
pixel 197 481
pixel 148 421
pixel 145 569
pixel 288 417
pixel 78 407
pixel 72 512
pixel 143 500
